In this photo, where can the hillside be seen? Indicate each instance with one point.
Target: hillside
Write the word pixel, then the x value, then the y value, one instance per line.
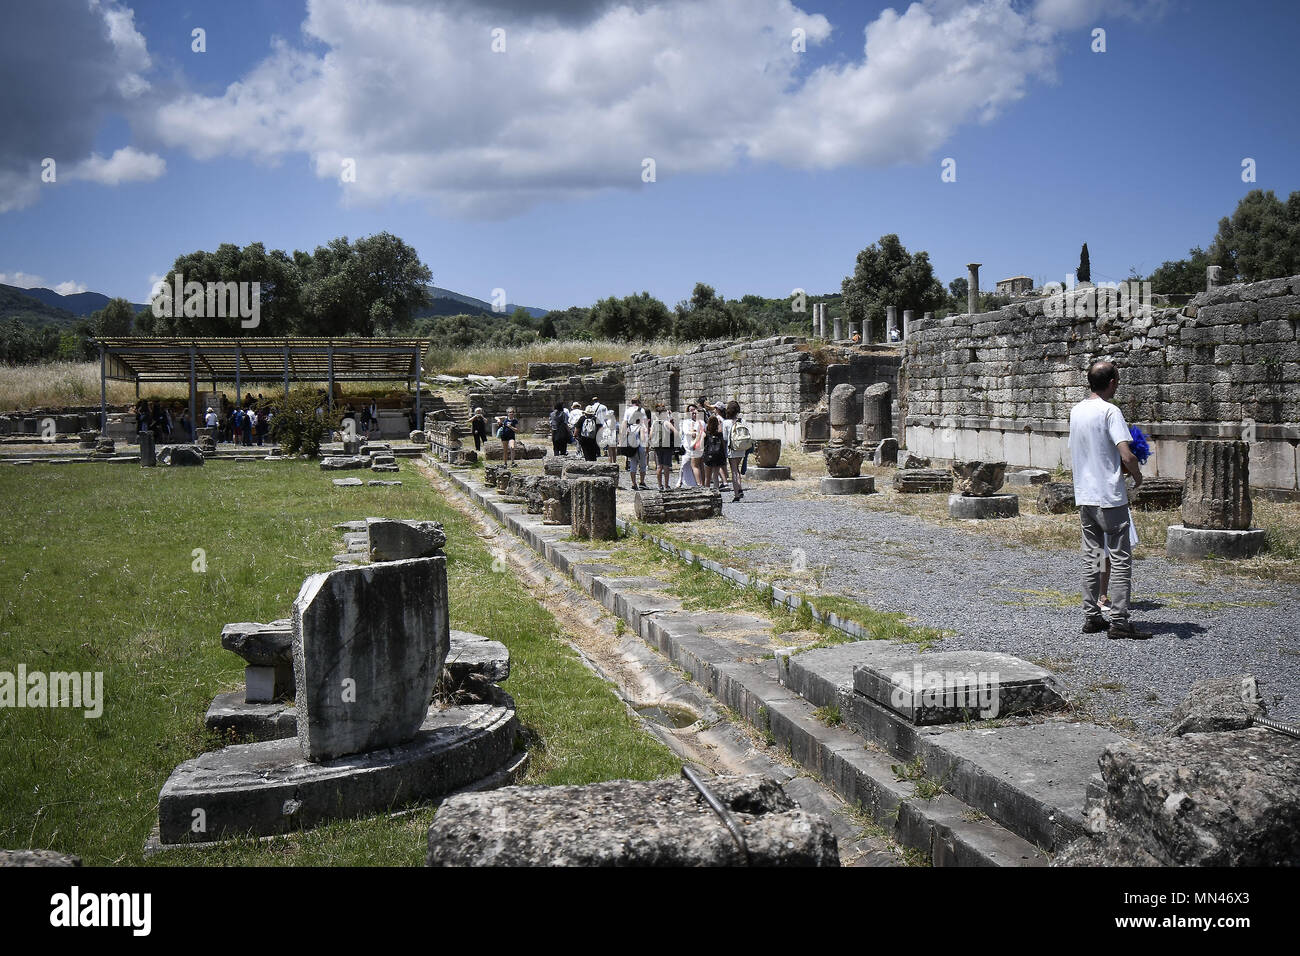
pixel 447 302
pixel 20 304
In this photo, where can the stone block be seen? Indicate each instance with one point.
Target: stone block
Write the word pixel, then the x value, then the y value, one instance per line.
pixel 368 645
pixel 629 823
pixel 1218 704
pixel 858 485
pixel 779 473
pixel 265 644
pixel 393 540
pixel 917 481
pixel 1193 543
pixel 1056 498
pixel 978 477
pixel 180 455
pixel 265 684
pixel 983 506
pixel 843 461
pixel 1028 478
pixel 886 452
pixel 946 687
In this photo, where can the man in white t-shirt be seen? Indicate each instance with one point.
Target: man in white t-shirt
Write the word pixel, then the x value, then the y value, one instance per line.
pixel 1100 455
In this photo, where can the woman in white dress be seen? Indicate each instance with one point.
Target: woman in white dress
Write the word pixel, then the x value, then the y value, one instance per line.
pixel 692 449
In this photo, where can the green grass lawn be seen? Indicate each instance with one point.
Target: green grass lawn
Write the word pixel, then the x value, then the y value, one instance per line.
pixel 97 574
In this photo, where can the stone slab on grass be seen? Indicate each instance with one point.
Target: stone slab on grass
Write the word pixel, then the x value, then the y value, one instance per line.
pixel 261 789
pixel 628 823
pixel 368 647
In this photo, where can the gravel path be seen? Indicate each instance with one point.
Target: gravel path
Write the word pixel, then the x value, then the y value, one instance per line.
pixel 1024 601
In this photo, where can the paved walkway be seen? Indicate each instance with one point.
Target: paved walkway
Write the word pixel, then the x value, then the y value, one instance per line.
pixel 1023 601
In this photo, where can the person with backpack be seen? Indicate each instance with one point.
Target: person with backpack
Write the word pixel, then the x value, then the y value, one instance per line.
pixel 559 422
pixel 506 426
pixel 589 433
pixel 739 441
pixel 634 442
pixel 662 439
pixel 715 451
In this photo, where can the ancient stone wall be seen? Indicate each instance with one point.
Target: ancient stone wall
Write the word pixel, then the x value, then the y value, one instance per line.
pixel 534 401
pixel 1000 385
pixel 772 379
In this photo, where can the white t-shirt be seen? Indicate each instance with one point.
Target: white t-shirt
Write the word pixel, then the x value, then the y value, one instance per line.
pixel 1096 429
pixel 632 426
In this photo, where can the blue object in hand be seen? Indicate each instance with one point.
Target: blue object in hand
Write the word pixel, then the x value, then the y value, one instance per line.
pixel 1141 447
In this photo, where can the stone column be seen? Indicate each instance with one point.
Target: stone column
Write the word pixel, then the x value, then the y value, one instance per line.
pixel 866 331
pixel 838 327
pixel 907 322
pixel 148 458
pixel 1216 488
pixel 973 287
pixel 891 322
pixel 853 329
pixel 816 314
pixel 1212 277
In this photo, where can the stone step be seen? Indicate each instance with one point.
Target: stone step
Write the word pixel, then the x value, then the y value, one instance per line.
pixel 1031 778
pixel 725 654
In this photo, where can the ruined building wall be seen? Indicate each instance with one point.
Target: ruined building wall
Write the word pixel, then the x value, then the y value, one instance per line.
pixel 1000 385
pixel 535 400
pixel 772 379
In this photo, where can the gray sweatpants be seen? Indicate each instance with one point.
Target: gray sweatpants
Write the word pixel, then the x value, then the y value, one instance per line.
pixel 1106 528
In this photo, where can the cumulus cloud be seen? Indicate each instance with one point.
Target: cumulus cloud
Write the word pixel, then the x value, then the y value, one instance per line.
pixel 413 95
pixel 70 288
pixel 65 65
pixel 126 165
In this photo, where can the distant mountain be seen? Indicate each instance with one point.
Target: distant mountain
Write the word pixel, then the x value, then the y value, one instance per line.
pixel 447 302
pixel 41 306
pixel 16 303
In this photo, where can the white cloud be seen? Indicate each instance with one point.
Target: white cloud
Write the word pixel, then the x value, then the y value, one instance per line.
pixel 65 66
pixel 25 280
pixel 126 165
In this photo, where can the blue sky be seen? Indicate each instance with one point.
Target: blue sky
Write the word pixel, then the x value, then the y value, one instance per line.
pixel 523 172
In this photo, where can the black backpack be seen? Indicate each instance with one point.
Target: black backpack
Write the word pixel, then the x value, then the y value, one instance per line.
pixel 715 450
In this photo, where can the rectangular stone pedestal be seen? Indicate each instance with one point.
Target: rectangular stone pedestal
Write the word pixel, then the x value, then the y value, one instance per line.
pixel 265 684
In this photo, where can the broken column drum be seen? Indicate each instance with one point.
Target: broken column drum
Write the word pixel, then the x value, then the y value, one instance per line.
pixel 1217 509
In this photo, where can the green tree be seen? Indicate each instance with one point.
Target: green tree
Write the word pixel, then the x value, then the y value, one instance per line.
pixel 1181 276
pixel 115 318
pixel 1084 273
pixel 957 291
pixel 632 318
pixel 708 316
pixel 1260 240
pixel 887 274
pixel 547 328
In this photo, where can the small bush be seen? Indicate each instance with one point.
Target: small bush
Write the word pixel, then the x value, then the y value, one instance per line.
pixel 302 423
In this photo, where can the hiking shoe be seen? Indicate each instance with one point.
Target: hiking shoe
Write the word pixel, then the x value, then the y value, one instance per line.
pixel 1095 625
pixel 736 496
pixel 1126 631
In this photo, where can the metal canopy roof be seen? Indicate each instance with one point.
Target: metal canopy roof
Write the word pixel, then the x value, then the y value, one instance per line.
pixel 167 358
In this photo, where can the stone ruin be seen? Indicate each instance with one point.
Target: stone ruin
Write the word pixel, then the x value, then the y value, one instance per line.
pixel 364 733
pixel 444 439
pixel 631 823
pixel 1221 789
pixel 1216 504
pixel 922 481
pixel 842 454
pixel 767 454
pixel 977 484
pixel 592 509
pixel 682 504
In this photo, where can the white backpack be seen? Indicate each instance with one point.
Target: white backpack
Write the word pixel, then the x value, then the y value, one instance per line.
pixel 741 441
